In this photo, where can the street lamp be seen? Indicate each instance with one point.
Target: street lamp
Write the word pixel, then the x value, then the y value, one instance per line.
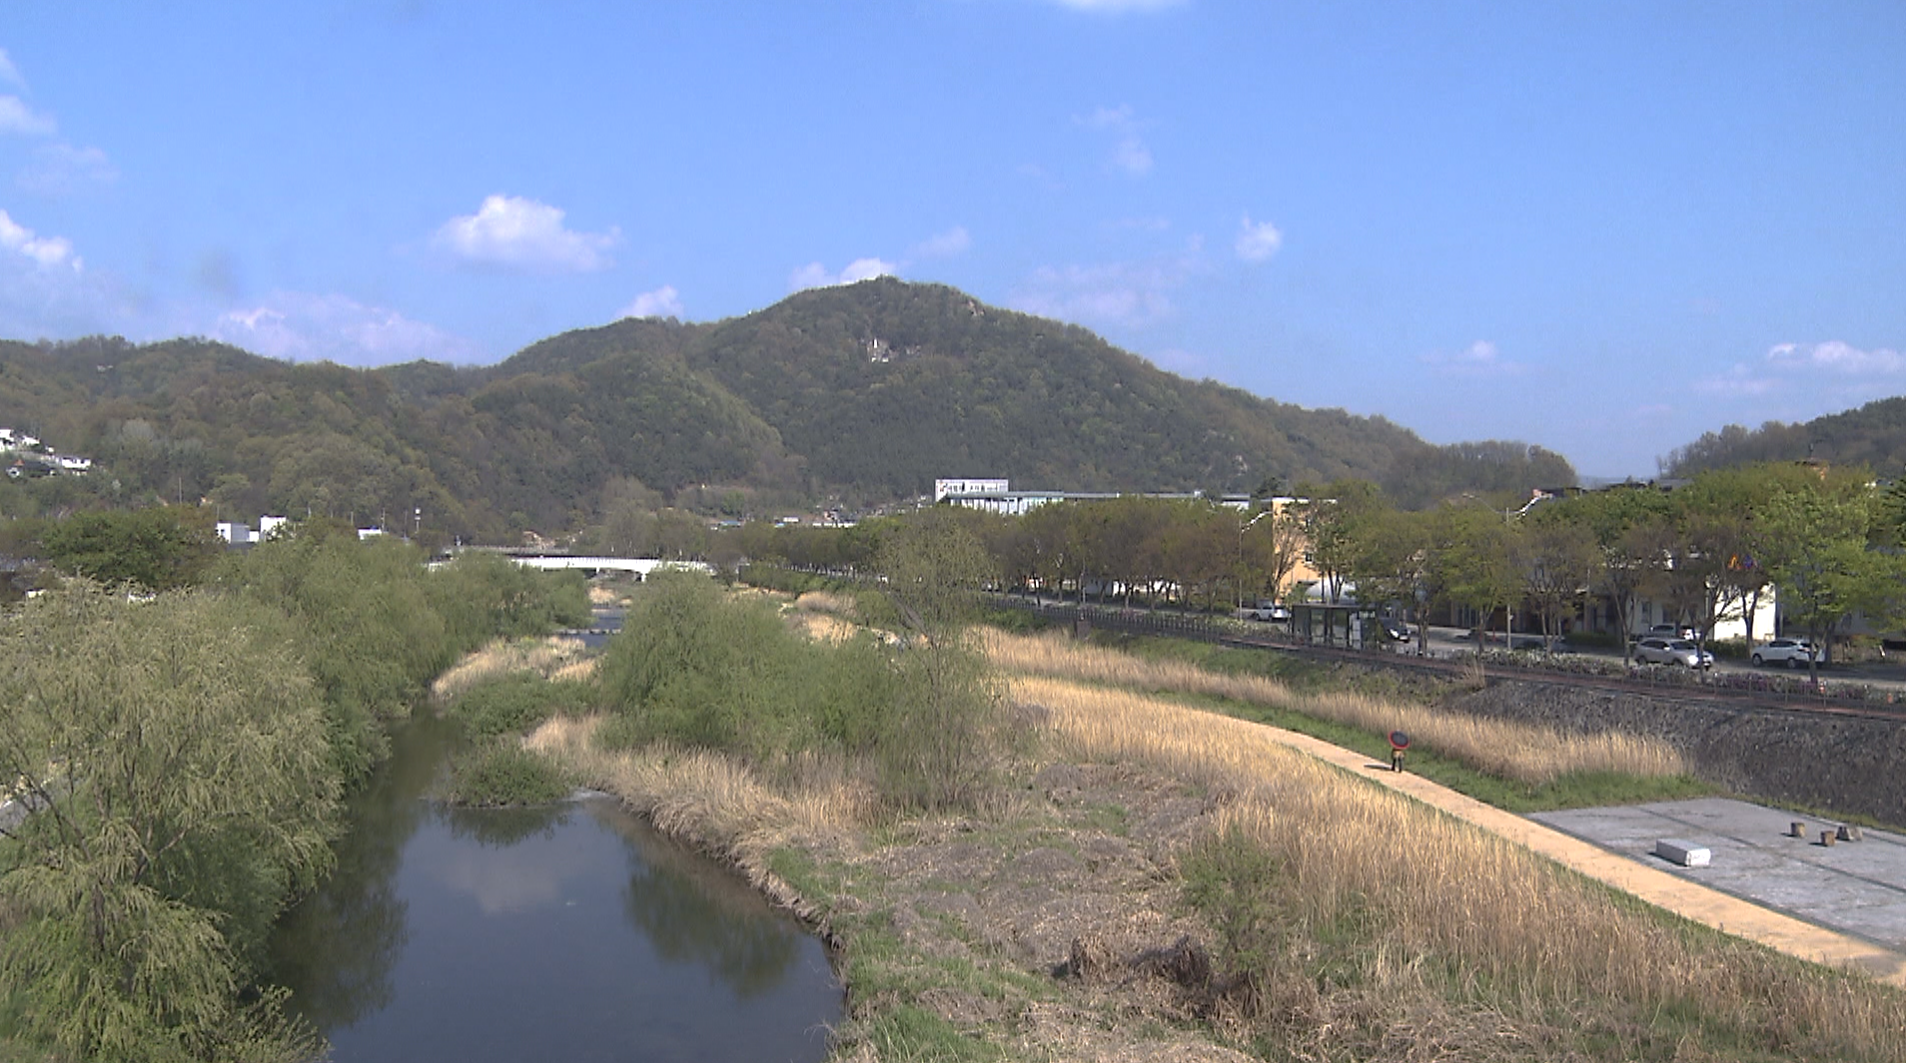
pixel 1240 553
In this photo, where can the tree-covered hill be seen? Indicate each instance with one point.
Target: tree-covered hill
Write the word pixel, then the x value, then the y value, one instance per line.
pixel 865 392
pixel 1874 435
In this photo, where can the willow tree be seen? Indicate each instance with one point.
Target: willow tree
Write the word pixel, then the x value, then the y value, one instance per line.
pixel 937 750
pixel 173 789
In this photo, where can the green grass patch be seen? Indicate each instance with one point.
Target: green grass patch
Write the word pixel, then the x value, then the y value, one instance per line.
pixel 500 772
pixel 909 1032
pixel 516 704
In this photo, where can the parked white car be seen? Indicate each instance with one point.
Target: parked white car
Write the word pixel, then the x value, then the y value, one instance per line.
pixel 1673 651
pixel 1794 653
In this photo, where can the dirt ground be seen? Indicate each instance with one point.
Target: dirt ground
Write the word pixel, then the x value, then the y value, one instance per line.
pixel 1073 899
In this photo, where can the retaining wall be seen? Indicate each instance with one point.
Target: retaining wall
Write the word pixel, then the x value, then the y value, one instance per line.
pixel 1847 765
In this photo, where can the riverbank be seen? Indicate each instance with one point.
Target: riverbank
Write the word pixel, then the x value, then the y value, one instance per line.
pixel 1105 906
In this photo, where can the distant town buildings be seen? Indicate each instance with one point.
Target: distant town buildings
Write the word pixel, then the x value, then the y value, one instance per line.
pixel 25 455
pixel 995 495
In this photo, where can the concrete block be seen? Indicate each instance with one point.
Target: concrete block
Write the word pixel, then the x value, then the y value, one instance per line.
pixel 1687 854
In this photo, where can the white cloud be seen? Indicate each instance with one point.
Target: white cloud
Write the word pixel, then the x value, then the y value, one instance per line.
pixel 300 327
pixel 47 291
pixel 662 302
pixel 952 242
pixel 1121 293
pixel 1836 356
pixel 815 275
pixel 60 168
pixel 1738 380
pixel 1835 366
pixel 1479 359
pixel 17 117
pixel 48 252
pixel 1258 242
pixel 1113 6
pixel 1132 156
pixel 1129 153
pixel 516 233
pixel 9 72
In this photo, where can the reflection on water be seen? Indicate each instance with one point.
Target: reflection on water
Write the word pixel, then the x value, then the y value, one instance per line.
pixel 573 932
pixel 338 944
pixel 696 913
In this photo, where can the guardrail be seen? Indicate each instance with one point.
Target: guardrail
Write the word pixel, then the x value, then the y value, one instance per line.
pixel 1837 696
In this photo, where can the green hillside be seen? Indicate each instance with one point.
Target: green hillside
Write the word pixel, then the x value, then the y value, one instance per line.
pixel 864 393
pixel 1873 435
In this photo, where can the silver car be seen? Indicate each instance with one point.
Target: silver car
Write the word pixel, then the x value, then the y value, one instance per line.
pixel 1673 651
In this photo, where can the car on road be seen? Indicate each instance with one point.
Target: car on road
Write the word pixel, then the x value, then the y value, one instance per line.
pixel 1657 650
pixel 1794 653
pixel 1395 630
pixel 1667 631
pixel 1265 611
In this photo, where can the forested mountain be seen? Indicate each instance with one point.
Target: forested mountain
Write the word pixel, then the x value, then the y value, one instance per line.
pixel 1873 435
pixel 864 392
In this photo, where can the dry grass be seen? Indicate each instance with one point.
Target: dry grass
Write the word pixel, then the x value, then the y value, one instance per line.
pixel 553 657
pixel 1452 902
pixel 1522 752
pixel 601 594
pixel 827 602
pixel 824 628
pixel 712 801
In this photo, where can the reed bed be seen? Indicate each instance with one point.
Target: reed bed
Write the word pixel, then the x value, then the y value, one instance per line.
pixel 823 627
pixel 1441 907
pixel 600 594
pixel 829 602
pixel 704 797
pixel 553 657
pixel 1522 752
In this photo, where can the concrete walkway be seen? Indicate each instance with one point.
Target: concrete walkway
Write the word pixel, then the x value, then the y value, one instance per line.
pixel 1656 885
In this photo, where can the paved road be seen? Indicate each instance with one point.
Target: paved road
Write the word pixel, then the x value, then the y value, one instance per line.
pixel 1444 642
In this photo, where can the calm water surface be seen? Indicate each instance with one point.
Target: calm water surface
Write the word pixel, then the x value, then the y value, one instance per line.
pixel 566 933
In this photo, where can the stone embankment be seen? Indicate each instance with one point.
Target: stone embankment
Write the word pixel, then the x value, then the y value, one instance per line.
pixel 1838 764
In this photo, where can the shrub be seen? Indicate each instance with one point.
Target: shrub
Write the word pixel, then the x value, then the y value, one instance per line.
pixel 515 704
pixel 698 668
pixel 483 596
pixel 937 748
pixel 499 771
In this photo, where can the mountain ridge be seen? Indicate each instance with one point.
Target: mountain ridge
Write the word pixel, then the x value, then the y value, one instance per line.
pixel 863 393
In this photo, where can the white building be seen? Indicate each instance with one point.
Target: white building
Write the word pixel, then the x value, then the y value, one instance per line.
pixel 237 533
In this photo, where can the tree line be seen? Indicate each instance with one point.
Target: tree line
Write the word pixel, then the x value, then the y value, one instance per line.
pixel 1828 541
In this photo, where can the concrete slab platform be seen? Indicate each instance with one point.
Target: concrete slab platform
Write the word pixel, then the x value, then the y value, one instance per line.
pixel 1856 888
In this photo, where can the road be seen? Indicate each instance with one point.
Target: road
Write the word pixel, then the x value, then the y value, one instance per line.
pixel 1448 641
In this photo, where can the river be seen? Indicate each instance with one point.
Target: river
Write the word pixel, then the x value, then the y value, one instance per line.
pixel 573 932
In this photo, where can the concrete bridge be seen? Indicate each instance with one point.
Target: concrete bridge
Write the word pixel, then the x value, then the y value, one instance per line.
pixel 640 566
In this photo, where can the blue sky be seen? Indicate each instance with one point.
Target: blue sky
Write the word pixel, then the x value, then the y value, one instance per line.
pixel 1602 227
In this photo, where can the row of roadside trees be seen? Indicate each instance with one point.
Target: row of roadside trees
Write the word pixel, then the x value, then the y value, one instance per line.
pixel 1717 547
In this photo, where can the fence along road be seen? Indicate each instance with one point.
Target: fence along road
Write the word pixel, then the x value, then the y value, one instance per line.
pixel 1756 693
